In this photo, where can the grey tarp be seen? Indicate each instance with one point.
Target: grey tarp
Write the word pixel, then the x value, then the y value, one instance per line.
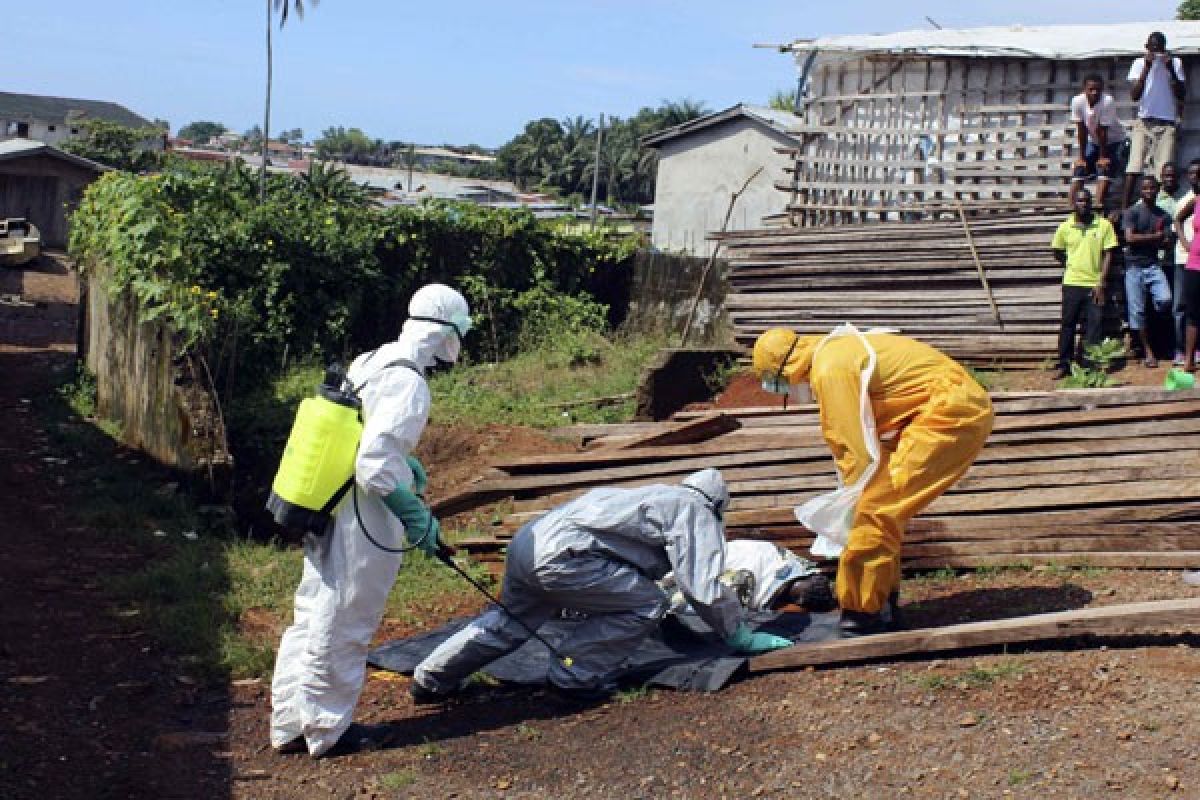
pixel 683 654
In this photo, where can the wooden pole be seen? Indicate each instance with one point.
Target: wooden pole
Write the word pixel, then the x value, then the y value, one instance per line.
pixel 687 328
pixel 962 216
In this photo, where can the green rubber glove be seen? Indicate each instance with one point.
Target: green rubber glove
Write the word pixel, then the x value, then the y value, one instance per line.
pixel 420 476
pixel 746 641
pixel 421 528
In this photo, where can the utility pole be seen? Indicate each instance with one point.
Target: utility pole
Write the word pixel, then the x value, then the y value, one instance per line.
pixel 596 169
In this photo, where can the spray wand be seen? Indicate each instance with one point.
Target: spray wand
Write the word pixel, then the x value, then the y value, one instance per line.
pixel 443 555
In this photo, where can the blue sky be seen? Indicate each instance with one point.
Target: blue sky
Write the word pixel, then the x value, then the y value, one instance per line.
pixel 460 72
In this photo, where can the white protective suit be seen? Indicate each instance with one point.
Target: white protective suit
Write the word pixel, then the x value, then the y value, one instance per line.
pixel 321 665
pixel 601 555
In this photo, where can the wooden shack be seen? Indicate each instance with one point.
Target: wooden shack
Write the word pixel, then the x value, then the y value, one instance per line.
pixel 43 184
pixel 928 175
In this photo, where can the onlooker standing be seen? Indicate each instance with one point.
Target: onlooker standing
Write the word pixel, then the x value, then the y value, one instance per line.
pixel 1145 226
pixel 1100 135
pixel 1170 196
pixel 1084 244
pixel 1191 277
pixel 1157 86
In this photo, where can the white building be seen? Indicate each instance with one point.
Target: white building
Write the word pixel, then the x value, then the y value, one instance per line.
pixel 701 163
pixel 55 119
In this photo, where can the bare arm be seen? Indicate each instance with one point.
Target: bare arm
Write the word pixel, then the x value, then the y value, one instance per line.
pixel 1139 83
pixel 1185 230
pixel 1081 135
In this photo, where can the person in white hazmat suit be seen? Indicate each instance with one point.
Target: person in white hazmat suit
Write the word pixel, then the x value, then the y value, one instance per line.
pixel 601 555
pixel 321 665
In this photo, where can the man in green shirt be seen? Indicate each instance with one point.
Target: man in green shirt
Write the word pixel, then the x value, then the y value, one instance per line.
pixel 1083 244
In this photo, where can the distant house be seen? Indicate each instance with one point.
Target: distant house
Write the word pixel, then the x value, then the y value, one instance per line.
pixel 701 163
pixel 43 184
pixel 431 156
pixel 55 119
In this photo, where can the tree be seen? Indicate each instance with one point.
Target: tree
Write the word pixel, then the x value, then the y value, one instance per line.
pixel 783 100
pixel 352 146
pixel 201 130
pixel 115 145
pixel 1188 9
pixel 281 6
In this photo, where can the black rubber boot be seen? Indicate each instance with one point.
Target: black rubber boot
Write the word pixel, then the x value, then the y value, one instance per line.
pixel 428 697
pixel 861 623
pixel 360 738
pixel 294 747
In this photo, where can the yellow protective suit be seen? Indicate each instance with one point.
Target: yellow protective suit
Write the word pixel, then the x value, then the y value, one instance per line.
pixel 939 414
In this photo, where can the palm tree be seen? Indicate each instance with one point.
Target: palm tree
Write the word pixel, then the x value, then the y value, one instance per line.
pixel 281 6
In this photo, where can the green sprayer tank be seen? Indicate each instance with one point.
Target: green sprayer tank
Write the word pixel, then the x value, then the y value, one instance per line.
pixel 318 461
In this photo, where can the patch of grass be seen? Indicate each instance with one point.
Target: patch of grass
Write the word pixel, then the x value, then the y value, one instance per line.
pixel 430 750
pixel 400 779
pixel 942 574
pixel 933 683
pixel 549 386
pixel 79 392
pixel 991 379
pixel 1000 570
pixel 979 676
pixel 632 695
pixel 527 731
pixel 1016 777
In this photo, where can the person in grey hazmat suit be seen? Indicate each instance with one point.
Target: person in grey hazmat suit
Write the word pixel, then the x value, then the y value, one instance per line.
pixel 601 555
pixel 321 664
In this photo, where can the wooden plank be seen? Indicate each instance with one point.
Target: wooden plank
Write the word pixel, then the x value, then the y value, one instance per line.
pixel 697 430
pixel 1160 617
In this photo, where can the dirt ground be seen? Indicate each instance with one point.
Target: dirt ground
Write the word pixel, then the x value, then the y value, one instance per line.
pixel 92 709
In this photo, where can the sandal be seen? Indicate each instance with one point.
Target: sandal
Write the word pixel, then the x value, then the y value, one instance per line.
pixel 1150 363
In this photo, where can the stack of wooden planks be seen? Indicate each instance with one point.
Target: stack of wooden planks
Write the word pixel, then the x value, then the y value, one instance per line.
pixel 1101 477
pixel 982 290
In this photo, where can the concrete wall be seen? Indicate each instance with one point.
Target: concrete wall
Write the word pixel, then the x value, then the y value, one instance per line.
pixel 698 174
pixel 157 397
pixel 663 290
pixel 43 189
pixel 52 133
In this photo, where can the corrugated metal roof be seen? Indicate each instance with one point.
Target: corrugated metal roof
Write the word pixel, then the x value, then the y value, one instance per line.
pixel 24 148
pixel 781 121
pixel 59 109
pixel 1060 42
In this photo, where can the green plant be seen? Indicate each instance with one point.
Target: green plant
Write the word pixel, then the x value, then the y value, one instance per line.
pixel 632 694
pixel 1100 356
pixel 80 392
pixel 721 375
pixel 990 379
pixel 941 574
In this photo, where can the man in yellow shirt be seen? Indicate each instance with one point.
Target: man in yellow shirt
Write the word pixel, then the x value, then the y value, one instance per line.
pixel 1083 244
pixel 934 419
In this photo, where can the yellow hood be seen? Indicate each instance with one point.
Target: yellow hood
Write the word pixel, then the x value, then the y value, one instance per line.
pixel 777 344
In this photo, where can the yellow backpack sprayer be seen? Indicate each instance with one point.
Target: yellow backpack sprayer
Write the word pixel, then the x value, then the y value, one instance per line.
pixel 318 461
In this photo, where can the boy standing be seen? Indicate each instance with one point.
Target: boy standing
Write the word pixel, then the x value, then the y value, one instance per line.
pixel 1145 226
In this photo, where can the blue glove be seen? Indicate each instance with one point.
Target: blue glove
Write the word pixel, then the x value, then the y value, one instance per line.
pixel 746 641
pixel 420 476
pixel 421 528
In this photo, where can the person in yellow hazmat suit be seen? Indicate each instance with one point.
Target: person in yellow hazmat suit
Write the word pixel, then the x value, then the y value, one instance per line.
pixel 933 418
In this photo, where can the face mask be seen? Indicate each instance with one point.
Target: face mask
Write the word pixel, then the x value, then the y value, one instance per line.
pixel 775 384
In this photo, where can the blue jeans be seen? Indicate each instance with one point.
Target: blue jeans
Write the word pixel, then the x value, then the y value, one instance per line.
pixel 1113 151
pixel 1139 281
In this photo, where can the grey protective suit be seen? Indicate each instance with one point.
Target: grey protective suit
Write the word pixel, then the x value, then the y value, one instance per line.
pixel 601 555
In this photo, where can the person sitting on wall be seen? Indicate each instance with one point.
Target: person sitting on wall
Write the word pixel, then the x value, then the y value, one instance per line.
pixel 1101 137
pixel 1157 86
